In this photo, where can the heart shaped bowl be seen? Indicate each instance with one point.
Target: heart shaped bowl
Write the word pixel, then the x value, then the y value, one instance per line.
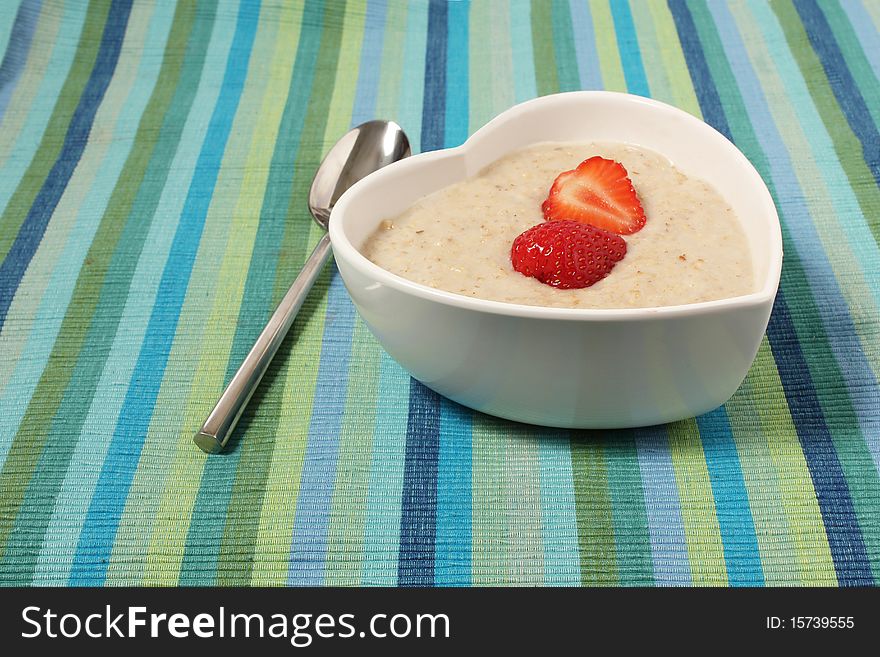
pixel 573 368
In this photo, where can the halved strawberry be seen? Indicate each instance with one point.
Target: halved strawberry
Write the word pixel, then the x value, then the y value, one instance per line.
pixel 598 192
pixel 566 254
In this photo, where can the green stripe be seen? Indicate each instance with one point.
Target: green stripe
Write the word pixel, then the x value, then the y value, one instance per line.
pixel 595 521
pixel 812 174
pixel 391 72
pixel 855 459
pixel 239 538
pixel 873 9
pixel 846 144
pixel 481 74
pixel 489 499
pixel 606 45
pixel 653 59
pixel 682 93
pixel 772 530
pixel 45 41
pixel 632 541
pixel 345 537
pixel 171 415
pixel 563 42
pixel 268 78
pixel 522 476
pixel 856 62
pixel 788 521
pixel 154 126
pixel 698 513
pixel 56 130
pixel 545 57
pixel 501 58
pixel 345 540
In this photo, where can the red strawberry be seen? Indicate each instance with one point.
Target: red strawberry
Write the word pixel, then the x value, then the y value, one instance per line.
pixel 566 254
pixel 600 193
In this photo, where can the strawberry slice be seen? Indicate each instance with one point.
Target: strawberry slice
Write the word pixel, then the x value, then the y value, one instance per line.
pixel 598 192
pixel 566 254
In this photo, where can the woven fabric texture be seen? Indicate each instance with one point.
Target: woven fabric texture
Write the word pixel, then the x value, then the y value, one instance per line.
pixel 154 165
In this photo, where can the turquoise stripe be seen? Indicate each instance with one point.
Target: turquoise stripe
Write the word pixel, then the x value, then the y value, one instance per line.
pixel 855 226
pixel 384 503
pixel 53 305
pixel 628 514
pixel 29 137
pixel 19 41
pixel 453 547
pixel 457 80
pixel 382 524
pixel 585 45
pixel 174 246
pixel 370 64
pixel 558 519
pixel 836 318
pixel 7 25
pixel 308 549
pixel 847 211
pixel 865 31
pixel 72 503
pixel 562 566
pixel 663 508
pixel 412 84
pixel 218 478
pixel 628 44
pixel 524 80
pixel 732 509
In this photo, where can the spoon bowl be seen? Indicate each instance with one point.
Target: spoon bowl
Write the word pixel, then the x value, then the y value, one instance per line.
pixel 361 151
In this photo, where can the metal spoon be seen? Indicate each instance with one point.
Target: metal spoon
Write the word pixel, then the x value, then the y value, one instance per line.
pixel 363 150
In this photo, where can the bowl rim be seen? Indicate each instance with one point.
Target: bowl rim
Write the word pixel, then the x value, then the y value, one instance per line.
pixel 345 250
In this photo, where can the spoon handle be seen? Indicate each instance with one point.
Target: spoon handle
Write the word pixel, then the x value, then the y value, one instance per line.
pixel 215 432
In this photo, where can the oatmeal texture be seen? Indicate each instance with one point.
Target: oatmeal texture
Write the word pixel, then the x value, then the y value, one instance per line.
pixel 458 239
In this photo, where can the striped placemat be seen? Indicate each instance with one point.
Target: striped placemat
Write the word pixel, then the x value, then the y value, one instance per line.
pixel 155 162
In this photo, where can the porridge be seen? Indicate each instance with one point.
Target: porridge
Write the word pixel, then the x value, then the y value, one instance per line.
pixel 688 246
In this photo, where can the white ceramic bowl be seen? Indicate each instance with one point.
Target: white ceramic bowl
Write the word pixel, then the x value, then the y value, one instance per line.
pixel 577 368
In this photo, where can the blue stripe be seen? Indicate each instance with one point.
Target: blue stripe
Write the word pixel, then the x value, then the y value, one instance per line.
pixel 452 558
pixel 562 565
pixel 208 517
pixel 308 550
pixel 524 79
pixel 628 45
pixel 838 515
pixel 34 225
pixel 370 63
pixel 108 502
pixel 418 515
pixel 412 79
pixel 837 320
pixel 732 509
pixel 704 85
pixel 384 498
pixel 847 548
pixel 867 34
pixel 17 51
pixel 452 554
pixel 59 289
pixel 662 507
pixel 433 120
pixel 457 80
pixel 842 83
pixel 585 45
pixel 865 398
